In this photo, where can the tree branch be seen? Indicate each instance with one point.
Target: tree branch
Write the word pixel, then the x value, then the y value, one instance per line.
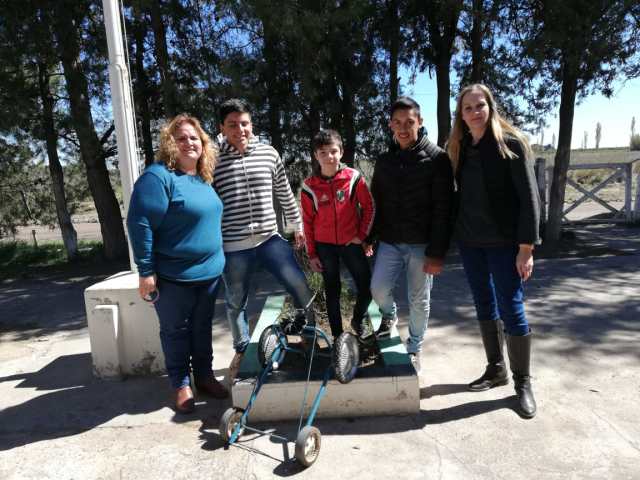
pixel 107 134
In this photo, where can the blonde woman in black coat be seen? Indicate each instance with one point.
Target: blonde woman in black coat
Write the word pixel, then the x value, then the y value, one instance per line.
pixel 496 229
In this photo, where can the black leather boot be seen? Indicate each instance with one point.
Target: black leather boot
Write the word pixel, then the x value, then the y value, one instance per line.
pixel 496 373
pixel 519 349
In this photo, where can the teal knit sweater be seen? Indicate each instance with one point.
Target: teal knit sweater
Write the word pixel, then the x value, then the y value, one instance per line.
pixel 174 225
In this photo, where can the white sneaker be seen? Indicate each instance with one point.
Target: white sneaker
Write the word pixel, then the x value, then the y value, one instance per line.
pixel 415 361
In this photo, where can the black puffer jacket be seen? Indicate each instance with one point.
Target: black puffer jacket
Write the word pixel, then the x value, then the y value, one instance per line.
pixel 413 193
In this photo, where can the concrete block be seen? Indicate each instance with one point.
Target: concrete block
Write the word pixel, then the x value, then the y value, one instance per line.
pixel 123 329
pixel 106 352
pixel 392 388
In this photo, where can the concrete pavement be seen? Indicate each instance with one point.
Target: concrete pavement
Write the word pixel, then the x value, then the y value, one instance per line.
pixel 57 421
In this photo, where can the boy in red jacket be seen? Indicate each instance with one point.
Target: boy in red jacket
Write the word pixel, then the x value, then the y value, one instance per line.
pixel 337 214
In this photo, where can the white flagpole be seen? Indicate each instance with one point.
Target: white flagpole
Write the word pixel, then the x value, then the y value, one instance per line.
pixel 122 102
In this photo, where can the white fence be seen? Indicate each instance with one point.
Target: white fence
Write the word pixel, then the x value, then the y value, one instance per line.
pixel 623 172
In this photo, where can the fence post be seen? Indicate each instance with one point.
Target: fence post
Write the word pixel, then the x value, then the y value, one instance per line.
pixel 541 179
pixel 628 183
pixel 636 210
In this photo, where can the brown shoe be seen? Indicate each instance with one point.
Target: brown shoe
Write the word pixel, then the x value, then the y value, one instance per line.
pixel 211 387
pixel 184 400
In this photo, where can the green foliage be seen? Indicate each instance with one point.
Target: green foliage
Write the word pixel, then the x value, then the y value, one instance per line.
pixel 634 143
pixel 16 258
pixel 26 196
pixel 303 65
pixel 577 40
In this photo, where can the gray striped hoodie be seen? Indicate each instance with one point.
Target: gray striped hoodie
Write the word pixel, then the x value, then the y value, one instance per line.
pixel 246 184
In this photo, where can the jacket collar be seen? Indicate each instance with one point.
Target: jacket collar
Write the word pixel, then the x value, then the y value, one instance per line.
pixel 226 147
pixel 487 140
pixel 420 144
pixel 340 169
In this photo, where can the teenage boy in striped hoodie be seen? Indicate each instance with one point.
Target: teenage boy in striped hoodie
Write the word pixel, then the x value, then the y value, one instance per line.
pixel 248 173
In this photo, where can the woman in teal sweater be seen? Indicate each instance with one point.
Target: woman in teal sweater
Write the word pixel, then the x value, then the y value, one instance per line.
pixel 175 231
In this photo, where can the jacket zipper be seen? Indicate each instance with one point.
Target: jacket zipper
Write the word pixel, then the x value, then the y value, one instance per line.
pixel 335 210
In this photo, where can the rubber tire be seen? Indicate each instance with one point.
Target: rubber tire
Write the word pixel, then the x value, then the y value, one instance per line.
pixel 267 345
pixel 346 357
pixel 228 422
pixel 308 445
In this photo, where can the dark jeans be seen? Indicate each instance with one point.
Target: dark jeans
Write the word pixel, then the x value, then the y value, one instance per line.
pixel 356 262
pixel 496 286
pixel 186 312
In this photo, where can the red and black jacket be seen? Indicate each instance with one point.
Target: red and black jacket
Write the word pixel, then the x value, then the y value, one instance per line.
pixel 336 209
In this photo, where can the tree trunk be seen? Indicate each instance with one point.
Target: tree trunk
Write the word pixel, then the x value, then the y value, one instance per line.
pixel 91 152
pixel 476 42
pixel 272 83
pixel 348 124
pixel 273 112
pixel 442 22
pixel 444 93
pixel 142 92
pixel 169 96
pixel 394 49
pixel 563 156
pixel 69 236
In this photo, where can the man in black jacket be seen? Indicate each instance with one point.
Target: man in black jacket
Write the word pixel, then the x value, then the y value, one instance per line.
pixel 412 187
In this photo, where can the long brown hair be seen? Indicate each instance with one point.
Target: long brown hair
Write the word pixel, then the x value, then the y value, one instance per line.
pixel 168 151
pixel 498 126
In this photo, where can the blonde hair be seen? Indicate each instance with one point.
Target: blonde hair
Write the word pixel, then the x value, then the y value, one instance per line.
pixel 168 151
pixel 498 126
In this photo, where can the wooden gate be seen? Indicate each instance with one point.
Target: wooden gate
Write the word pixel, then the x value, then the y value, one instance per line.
pixel 619 171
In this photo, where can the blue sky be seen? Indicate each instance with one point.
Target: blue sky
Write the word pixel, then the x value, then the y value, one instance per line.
pixel 614 114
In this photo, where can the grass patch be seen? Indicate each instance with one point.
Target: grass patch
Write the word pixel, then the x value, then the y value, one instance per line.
pixel 18 258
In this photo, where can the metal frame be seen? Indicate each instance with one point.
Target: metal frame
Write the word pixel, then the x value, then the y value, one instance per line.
pixel 310 332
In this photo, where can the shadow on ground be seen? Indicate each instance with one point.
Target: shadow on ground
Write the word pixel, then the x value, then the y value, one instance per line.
pixel 72 401
pixel 355 427
pixel 36 307
pixel 578 306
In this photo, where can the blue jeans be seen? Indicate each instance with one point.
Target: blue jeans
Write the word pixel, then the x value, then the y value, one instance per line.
pixel 356 262
pixel 276 255
pixel 496 286
pixel 391 261
pixel 186 312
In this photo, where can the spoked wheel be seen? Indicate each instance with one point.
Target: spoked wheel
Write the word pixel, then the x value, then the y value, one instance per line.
pixel 267 345
pixel 346 356
pixel 230 418
pixel 308 445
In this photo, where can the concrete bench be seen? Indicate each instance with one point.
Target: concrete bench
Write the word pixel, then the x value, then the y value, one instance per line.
pixel 387 389
pixel 123 329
